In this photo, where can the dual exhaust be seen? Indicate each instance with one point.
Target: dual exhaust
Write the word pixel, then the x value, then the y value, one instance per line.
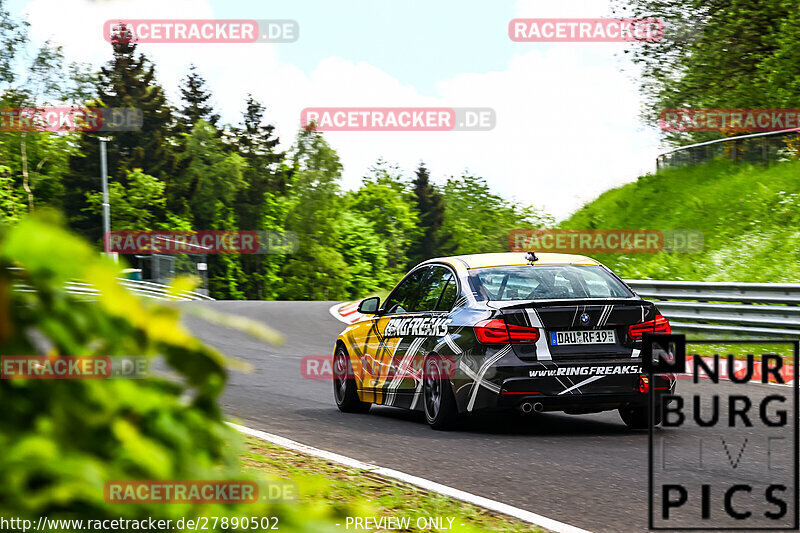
pixel 528 407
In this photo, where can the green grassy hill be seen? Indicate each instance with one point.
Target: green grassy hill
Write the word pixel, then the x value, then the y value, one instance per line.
pixel 750 217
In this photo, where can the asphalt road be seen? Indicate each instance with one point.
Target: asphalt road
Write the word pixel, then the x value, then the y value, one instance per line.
pixel 589 471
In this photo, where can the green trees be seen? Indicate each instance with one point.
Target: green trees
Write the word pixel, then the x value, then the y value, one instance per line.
pixel 31 163
pixel 384 200
pixel 432 241
pixel 128 80
pixel 365 254
pixel 13 36
pixel 726 53
pixel 195 98
pixel 137 207
pixel 12 206
pixel 317 271
pixel 208 188
pixel 211 180
pixel 260 203
pixel 186 170
pixel 479 220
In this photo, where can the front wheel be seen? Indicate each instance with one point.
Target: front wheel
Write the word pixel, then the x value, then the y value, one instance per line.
pixel 441 411
pixel 638 416
pixel 344 384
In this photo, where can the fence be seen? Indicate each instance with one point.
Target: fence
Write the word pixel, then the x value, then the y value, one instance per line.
pixel 756 309
pixel 145 289
pixel 769 147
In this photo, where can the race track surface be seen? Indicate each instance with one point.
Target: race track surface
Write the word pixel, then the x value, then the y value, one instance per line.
pixel 589 471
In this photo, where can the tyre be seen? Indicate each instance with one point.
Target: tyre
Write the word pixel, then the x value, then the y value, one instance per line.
pixel 637 417
pixel 439 401
pixel 344 384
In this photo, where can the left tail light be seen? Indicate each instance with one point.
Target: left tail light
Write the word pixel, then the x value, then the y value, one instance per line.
pixel 658 325
pixel 498 331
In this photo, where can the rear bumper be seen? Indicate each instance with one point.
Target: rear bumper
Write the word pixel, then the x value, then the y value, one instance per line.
pixel 574 387
pixel 585 403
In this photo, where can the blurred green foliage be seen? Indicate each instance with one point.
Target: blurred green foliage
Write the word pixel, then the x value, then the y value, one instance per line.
pixel 716 54
pixel 61 441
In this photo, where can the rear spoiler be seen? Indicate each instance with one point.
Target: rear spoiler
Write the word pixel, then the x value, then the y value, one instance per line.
pixel 521 304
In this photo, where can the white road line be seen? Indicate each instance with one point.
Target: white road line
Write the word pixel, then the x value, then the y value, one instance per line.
pixel 432 486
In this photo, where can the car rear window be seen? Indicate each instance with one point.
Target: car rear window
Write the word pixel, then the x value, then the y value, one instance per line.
pixel 547 282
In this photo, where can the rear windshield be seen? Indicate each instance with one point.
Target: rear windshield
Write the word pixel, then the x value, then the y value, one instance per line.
pixel 545 282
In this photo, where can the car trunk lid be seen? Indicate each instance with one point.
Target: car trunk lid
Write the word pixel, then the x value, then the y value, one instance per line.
pixel 578 329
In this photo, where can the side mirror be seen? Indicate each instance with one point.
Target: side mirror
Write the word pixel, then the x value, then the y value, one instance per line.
pixel 369 306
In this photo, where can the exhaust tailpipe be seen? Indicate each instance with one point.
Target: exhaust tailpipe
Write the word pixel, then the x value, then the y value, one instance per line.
pixel 538 407
pixel 526 407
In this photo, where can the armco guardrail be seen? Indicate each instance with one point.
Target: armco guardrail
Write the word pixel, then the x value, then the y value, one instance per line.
pixel 761 309
pixel 767 147
pixel 145 289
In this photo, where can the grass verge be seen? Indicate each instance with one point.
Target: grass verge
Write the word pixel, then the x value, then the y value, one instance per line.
pixel 748 216
pixel 323 482
pixel 740 351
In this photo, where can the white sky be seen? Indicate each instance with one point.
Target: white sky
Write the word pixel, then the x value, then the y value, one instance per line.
pixel 568 123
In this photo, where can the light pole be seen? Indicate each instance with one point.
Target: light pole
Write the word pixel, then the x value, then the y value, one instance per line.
pixel 106 205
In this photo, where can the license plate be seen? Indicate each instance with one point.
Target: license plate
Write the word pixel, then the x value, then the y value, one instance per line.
pixel 595 336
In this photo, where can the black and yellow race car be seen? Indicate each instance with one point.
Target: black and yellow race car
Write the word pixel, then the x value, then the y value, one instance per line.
pixel 458 335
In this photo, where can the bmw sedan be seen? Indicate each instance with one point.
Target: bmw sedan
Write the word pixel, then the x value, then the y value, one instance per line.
pixel 524 331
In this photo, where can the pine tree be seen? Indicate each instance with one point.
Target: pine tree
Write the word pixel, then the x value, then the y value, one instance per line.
pixel 196 98
pixel 257 206
pixel 127 81
pixel 257 144
pixel 430 206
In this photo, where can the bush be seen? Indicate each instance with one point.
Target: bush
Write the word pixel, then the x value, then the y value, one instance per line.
pixel 748 215
pixel 62 440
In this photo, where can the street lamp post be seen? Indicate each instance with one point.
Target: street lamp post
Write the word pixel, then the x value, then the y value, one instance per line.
pixel 106 204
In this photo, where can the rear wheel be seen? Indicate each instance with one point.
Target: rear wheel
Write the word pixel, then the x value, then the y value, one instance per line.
pixel 344 384
pixel 441 411
pixel 638 416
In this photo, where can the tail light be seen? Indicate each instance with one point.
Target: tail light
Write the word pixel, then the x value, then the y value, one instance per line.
pixel 498 331
pixel 658 325
pixel 644 384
